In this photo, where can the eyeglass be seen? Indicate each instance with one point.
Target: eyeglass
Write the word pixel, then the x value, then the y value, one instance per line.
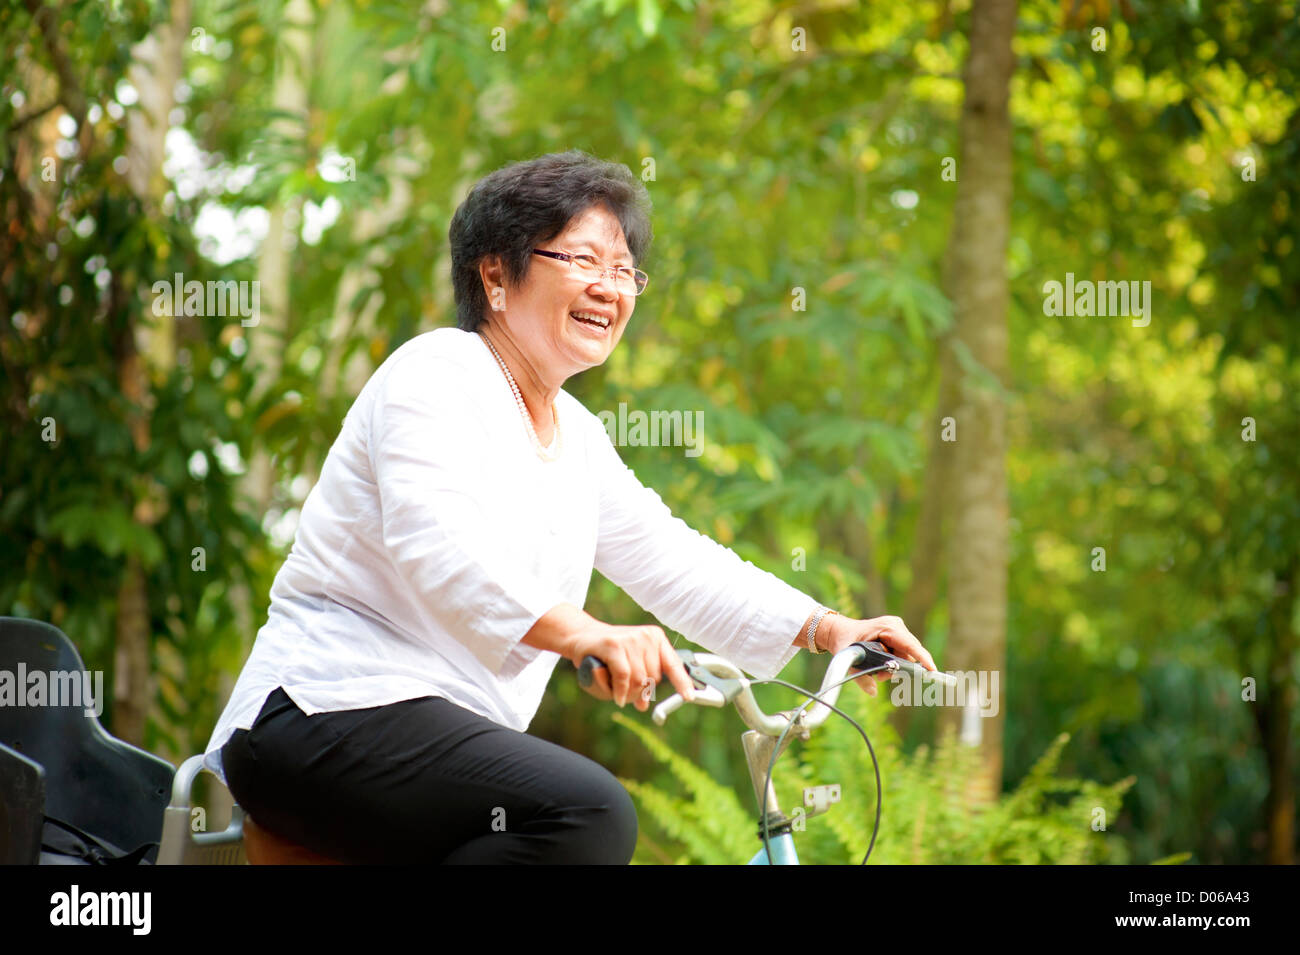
pixel 628 281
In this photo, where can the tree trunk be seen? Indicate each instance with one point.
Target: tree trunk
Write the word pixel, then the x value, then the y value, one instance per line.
pixel 977 551
pixel 132 688
pixel 155 68
pixel 268 339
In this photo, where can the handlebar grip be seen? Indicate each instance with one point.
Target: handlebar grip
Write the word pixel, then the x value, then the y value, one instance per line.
pixel 947 679
pixel 587 670
pixel 667 708
pixel 875 652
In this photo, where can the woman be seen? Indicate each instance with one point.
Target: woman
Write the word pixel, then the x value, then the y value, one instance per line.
pixel 442 561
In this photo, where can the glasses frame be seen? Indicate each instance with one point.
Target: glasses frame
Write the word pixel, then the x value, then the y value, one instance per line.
pixel 571 258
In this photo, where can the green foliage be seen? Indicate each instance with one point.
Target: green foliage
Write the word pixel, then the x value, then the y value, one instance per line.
pixel 711 824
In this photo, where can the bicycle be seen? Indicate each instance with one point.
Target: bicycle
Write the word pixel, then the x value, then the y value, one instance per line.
pixel 720 682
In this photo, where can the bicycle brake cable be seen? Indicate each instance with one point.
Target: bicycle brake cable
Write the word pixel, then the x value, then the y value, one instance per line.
pixel 776 751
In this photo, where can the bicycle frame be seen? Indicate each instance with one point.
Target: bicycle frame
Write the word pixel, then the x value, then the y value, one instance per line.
pixel 758 754
pixel 782 851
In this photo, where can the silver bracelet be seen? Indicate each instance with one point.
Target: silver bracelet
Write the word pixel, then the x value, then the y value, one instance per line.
pixel 811 635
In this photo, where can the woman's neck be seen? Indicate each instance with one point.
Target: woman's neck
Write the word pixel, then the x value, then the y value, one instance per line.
pixel 538 396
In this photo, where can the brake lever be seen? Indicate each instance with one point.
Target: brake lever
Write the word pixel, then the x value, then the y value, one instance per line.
pixel 728 687
pixel 710 690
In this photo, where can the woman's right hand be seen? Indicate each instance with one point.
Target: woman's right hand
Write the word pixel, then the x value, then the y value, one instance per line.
pixel 635 658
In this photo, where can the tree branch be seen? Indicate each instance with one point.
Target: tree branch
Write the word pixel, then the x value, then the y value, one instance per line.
pixel 30 118
pixel 70 92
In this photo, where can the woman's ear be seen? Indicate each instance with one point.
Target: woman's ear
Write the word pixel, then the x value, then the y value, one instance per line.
pixel 491 274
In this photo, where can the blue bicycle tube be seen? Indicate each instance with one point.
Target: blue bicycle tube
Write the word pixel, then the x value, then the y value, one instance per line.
pixel 782 851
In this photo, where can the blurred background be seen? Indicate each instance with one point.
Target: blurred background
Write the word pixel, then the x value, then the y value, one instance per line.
pixel 858 208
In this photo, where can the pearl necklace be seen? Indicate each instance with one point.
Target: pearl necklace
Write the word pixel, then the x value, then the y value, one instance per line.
pixel 542 452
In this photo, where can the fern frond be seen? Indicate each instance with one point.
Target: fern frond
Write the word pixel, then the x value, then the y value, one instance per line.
pixel 674 816
pixel 716 822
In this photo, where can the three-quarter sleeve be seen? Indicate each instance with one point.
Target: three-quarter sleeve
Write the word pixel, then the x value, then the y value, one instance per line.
pixel 691 583
pixel 425 442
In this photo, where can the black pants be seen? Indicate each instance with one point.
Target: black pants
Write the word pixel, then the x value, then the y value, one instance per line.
pixel 425 781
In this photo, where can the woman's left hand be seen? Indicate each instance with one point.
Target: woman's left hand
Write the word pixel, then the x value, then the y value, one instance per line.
pixel 891 631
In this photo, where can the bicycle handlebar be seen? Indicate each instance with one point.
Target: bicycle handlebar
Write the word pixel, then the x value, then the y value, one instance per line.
pixel 719 682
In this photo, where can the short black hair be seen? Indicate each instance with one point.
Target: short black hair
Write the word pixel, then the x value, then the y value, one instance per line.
pixel 525 204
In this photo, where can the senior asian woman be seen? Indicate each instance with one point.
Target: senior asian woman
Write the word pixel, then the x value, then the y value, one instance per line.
pixel 442 562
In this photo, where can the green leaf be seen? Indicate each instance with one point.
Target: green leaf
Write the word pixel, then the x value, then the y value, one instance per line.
pixel 647 16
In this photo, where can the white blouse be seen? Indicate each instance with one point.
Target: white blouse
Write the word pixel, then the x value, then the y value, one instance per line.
pixel 436 537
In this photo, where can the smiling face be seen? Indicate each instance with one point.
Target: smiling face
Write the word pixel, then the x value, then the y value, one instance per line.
pixel 538 315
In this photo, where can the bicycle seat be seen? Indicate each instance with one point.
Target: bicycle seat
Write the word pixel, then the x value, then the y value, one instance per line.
pixel 264 847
